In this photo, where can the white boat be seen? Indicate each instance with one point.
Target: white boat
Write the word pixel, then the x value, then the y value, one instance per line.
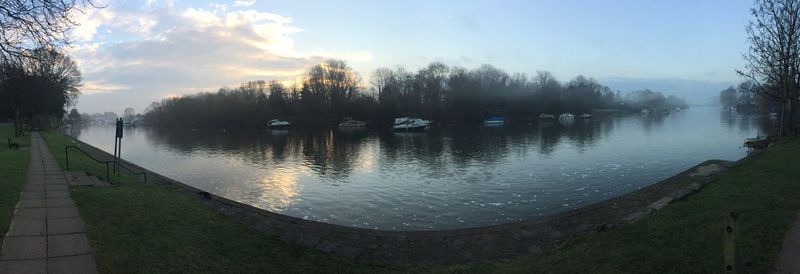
pixel 545 116
pixel 645 111
pixel 566 116
pixel 278 124
pixel 495 121
pixel 585 116
pixel 350 122
pixel 410 124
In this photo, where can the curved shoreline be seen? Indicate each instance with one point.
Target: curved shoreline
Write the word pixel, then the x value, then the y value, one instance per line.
pixel 457 245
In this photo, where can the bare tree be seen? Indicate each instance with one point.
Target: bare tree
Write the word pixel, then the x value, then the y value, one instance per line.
pixel 26 24
pixel 773 59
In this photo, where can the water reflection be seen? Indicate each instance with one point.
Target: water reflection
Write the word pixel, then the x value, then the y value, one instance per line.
pixel 278 190
pixel 448 177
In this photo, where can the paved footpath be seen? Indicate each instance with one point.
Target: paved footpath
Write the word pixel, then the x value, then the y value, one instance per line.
pixel 789 258
pixel 47 234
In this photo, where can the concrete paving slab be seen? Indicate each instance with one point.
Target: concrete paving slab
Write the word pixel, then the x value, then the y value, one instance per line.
pixel 59 202
pixel 22 227
pixel 33 187
pixel 63 187
pixel 31 203
pixel 36 266
pixel 30 214
pixel 65 225
pixel 32 195
pixel 83 264
pixel 28 247
pixel 58 194
pixel 62 212
pixel 47 211
pixel 68 245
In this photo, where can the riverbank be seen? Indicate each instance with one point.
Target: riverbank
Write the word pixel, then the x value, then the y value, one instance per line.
pixel 13 167
pixel 169 221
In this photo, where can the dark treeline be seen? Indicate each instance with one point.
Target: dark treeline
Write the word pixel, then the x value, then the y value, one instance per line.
pixel 38 88
pixel 331 90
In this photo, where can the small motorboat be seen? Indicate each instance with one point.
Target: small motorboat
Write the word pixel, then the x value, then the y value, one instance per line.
pixel 545 116
pixel 585 116
pixel 350 122
pixel 566 116
pixel 278 124
pixel 410 124
pixel 495 121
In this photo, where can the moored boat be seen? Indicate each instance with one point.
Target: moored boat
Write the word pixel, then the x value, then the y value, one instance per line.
pixel 495 121
pixel 585 116
pixel 278 124
pixel 350 122
pixel 410 124
pixel 545 116
pixel 566 116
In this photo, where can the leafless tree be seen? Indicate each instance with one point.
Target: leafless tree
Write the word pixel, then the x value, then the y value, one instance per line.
pixel 28 24
pixel 773 59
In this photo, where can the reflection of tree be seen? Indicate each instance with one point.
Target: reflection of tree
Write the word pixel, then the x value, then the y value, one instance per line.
pixel 586 133
pixel 75 131
pixel 549 137
pixel 652 121
pixel 425 147
pixel 329 153
pixel 728 118
pixel 336 153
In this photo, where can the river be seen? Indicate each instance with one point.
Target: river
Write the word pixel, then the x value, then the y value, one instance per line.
pixel 448 177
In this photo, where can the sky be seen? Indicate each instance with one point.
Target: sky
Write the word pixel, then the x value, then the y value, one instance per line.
pixel 132 53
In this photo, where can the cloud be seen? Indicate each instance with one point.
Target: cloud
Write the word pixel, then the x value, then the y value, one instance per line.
pixel 139 55
pixel 243 3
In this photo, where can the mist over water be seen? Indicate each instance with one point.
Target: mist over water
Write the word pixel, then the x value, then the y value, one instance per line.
pixel 448 177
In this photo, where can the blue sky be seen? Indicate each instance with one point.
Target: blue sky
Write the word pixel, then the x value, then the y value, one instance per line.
pixel 136 52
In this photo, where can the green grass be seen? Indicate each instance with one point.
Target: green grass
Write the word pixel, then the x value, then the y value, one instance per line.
pixel 137 228
pixel 146 228
pixel 13 168
pixel 686 236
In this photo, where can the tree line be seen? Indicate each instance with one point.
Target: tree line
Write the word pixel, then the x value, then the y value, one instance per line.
pixel 37 89
pixel 332 90
pixel 772 69
pixel 37 79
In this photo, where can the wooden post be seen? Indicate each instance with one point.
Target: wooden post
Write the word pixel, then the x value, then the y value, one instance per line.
pixel 729 242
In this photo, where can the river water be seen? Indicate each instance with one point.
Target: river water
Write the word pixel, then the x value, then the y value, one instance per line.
pixel 448 177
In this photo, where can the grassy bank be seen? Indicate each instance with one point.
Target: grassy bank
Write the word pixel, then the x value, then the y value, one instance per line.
pixel 13 168
pixel 686 236
pixel 147 228
pixel 136 228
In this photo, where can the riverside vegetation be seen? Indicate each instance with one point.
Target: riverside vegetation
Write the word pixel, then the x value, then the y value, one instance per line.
pixel 330 91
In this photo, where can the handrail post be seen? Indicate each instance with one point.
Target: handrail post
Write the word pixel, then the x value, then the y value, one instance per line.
pixel 107 177
pixel 66 152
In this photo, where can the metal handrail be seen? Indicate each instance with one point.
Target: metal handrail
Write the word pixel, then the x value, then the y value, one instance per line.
pixel 108 177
